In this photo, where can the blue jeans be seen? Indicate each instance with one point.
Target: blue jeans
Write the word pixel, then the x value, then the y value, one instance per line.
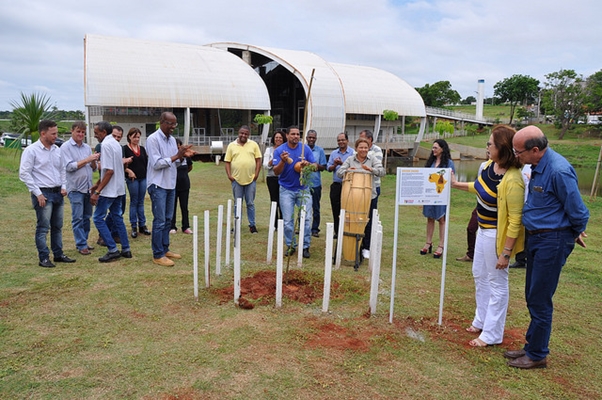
pixel 113 206
pixel 162 201
pixel 50 218
pixel 288 200
pixel 316 196
pixel 81 211
pixel 546 254
pixel 246 192
pixel 137 189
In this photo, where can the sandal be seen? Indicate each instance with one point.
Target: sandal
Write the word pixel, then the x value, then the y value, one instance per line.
pixel 437 254
pixel 478 343
pixel 472 329
pixel 428 248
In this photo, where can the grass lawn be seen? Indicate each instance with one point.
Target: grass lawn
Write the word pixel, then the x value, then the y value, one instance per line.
pixel 131 329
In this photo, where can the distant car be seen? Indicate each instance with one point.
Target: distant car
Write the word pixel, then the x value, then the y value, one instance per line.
pixel 8 135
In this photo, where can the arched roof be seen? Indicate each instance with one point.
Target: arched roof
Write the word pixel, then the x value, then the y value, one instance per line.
pixel 326 111
pixel 371 91
pixel 124 72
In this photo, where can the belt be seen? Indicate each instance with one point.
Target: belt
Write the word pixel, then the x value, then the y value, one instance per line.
pixel 56 189
pixel 537 231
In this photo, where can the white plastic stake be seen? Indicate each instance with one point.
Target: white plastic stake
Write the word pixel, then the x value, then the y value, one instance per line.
pixel 271 232
pixel 279 262
pixel 207 248
pixel 327 266
pixel 228 231
pixel 339 253
pixel 218 248
pixel 237 250
pixel 300 242
pixel 195 257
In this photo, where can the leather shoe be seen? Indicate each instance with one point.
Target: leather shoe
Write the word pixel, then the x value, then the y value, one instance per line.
pixel 101 242
pixel 46 263
pixel 306 253
pixel 134 234
pixel 144 230
pixel 90 248
pixel 63 258
pixel 525 362
pixel 110 256
pixel 126 254
pixel 315 234
pixel 513 354
pixel 164 262
pixel 85 252
pixel 171 254
pixel 464 258
pixel 518 264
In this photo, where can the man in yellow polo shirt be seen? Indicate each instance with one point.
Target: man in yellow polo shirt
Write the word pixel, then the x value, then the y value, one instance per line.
pixel 243 163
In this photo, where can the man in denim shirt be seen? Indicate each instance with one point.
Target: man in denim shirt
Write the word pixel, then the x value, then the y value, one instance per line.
pixel 316 180
pixel 555 219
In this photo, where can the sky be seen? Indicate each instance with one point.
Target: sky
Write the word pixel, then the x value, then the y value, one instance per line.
pixel 423 41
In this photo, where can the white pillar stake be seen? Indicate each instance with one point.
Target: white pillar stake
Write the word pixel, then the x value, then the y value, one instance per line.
pixel 195 257
pixel 228 231
pixel 218 248
pixel 207 248
pixel 375 260
pixel 279 262
pixel 300 242
pixel 271 233
pixel 237 250
pixel 340 239
pixel 373 229
pixel 328 266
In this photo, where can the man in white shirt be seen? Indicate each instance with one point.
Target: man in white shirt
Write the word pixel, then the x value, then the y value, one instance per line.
pixel 43 173
pixel 106 193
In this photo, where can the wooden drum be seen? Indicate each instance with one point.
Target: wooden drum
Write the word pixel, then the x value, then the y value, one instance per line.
pixel 356 195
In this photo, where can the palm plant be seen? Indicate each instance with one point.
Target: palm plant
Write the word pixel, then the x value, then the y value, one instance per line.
pixel 28 113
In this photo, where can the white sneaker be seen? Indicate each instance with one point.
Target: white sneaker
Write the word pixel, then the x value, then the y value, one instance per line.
pixel 173 231
pixel 366 253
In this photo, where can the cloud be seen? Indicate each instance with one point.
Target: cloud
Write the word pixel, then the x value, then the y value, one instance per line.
pixel 420 41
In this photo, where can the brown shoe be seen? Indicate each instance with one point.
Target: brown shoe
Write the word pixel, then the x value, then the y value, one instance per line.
pixel 164 262
pixel 173 255
pixel 464 258
pixel 525 362
pixel 85 252
pixel 513 354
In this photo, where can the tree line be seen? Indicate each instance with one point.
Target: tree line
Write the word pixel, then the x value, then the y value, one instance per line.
pixel 565 95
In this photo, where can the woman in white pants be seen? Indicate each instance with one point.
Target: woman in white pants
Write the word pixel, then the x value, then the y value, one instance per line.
pixel 500 194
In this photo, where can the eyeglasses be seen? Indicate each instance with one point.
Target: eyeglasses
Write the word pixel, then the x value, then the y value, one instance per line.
pixel 516 153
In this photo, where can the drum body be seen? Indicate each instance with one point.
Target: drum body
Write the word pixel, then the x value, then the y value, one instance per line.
pixel 356 195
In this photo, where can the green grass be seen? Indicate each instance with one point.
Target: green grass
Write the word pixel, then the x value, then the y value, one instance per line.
pixel 133 330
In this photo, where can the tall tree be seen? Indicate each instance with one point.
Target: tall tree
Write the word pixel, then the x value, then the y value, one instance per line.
pixel 439 94
pixel 516 89
pixel 30 111
pixel 565 97
pixel 594 92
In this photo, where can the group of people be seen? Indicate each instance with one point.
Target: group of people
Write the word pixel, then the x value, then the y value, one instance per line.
pixel 291 184
pixel 538 219
pixel 542 217
pixel 51 173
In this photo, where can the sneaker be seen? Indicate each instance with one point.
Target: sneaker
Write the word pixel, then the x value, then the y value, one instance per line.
pixel 253 229
pixel 164 262
pixel 171 254
pixel 464 258
pixel 188 231
pixel 366 253
pixel 306 253
pixel 173 231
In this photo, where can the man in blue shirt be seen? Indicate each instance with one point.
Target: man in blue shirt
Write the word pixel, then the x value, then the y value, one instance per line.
pixel 336 159
pixel 315 180
pixel 293 192
pixel 555 219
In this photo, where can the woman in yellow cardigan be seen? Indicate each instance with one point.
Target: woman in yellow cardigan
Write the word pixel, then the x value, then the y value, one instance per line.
pixel 500 196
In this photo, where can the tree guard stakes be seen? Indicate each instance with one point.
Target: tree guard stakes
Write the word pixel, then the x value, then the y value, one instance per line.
pixel 207 252
pixel 279 262
pixel 195 256
pixel 228 230
pixel 271 232
pixel 218 246
pixel 237 220
pixel 327 266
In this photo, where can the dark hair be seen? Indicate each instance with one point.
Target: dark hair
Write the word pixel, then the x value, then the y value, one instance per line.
pixel 104 126
pixel 132 132
pixel 245 127
pixel 120 129
pixel 291 127
pixel 278 132
pixel 445 155
pixel 45 124
pixel 502 140
pixel 312 131
pixel 541 142
pixel 343 133
pixel 78 124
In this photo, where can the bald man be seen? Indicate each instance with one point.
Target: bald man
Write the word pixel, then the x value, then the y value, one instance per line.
pixel 555 218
